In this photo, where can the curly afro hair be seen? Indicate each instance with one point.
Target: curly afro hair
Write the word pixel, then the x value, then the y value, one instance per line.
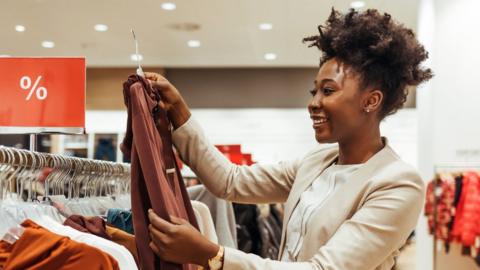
pixel 385 53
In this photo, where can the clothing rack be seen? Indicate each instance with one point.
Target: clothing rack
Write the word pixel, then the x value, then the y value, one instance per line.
pixel 66 172
pixel 445 167
pixel 31 159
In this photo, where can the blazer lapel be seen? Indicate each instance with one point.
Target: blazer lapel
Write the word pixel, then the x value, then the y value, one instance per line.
pixel 299 187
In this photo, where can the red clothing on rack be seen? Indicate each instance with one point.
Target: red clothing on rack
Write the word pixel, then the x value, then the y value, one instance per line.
pixel 466 227
pixel 156 179
pixel 444 207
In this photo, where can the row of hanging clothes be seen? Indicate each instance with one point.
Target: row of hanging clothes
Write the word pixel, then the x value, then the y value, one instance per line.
pixel 453 211
pixel 61 212
pixel 88 202
pixel 45 200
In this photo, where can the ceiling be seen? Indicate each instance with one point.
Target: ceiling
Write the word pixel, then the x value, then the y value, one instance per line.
pixel 228 32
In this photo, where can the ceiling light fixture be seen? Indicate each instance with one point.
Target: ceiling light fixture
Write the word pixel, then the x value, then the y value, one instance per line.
pixel 136 57
pixel 270 56
pixel 265 26
pixel 100 27
pixel 20 28
pixel 4 55
pixel 48 44
pixel 169 6
pixel 193 43
pixel 357 4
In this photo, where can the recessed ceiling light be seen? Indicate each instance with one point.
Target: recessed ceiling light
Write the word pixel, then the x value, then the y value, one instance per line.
pixel 20 28
pixel 169 6
pixel 136 57
pixel 270 56
pixel 357 4
pixel 48 44
pixel 100 27
pixel 193 43
pixel 265 26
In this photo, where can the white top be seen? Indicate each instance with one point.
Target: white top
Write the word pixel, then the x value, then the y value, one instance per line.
pixel 119 253
pixel 310 200
pixel 205 221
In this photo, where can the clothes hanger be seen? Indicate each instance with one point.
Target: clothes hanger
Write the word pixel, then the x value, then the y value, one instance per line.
pixel 139 69
pixel 3 171
pixel 10 171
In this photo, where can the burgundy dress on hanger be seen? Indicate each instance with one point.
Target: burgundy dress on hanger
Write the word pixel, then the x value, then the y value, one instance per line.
pixel 156 180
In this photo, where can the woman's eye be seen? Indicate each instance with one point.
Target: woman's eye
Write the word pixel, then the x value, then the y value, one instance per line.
pixel 327 91
pixel 313 92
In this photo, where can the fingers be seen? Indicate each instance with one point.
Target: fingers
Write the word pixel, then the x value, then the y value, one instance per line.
pixel 162 105
pixel 158 237
pixel 155 249
pixel 159 223
pixel 160 85
pixel 153 76
pixel 177 220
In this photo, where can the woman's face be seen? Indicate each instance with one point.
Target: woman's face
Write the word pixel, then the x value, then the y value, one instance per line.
pixel 337 105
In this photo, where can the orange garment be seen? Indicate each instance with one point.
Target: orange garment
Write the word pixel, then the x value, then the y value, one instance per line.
pixel 40 249
pixel 123 238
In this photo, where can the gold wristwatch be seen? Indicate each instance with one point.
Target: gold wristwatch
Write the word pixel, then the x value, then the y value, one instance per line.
pixel 216 262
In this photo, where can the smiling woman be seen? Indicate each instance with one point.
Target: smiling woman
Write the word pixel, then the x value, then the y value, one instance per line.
pixel 347 206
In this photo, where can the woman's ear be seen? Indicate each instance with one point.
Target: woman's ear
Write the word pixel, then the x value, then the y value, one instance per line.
pixel 373 101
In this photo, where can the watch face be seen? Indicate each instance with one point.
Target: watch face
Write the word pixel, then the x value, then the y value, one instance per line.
pixel 215 265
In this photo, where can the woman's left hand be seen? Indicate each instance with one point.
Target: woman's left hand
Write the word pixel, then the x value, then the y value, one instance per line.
pixel 179 242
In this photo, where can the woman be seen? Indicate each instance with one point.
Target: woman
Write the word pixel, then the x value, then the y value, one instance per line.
pixel 350 206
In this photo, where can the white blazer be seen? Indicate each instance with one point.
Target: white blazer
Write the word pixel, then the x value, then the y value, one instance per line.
pixel 360 226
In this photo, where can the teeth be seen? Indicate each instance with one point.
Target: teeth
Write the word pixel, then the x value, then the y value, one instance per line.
pixel 319 121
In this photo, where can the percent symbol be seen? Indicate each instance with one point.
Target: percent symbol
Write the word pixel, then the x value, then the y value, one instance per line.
pixel 26 84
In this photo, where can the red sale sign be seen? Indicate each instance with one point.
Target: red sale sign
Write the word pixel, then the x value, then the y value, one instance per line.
pixel 42 95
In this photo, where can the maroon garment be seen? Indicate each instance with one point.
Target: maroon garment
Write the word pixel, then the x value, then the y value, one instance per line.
pixel 93 225
pixel 148 143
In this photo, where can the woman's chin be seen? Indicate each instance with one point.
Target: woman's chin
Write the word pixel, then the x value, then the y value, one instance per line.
pixel 324 138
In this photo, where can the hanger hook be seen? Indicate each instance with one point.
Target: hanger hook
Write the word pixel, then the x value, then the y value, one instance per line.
pixel 137 55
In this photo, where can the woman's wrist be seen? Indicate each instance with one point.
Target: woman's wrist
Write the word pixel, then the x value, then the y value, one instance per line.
pixel 179 114
pixel 210 251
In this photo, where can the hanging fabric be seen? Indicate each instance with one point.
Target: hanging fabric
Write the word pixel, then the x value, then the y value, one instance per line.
pixel 453 211
pixel 156 181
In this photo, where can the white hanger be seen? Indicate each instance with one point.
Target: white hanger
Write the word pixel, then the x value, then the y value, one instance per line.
pixel 139 69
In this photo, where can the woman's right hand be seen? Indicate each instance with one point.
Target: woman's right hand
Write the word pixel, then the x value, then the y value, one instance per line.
pixel 172 101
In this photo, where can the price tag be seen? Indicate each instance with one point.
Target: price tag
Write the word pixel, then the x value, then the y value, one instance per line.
pixel 42 95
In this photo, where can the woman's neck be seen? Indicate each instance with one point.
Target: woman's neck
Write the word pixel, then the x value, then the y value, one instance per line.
pixel 361 148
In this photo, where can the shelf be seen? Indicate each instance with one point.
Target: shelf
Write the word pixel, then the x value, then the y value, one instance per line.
pixel 82 145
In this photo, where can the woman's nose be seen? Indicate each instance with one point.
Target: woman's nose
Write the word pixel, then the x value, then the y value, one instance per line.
pixel 315 102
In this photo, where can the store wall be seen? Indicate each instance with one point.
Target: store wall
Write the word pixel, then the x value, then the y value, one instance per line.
pixel 448 105
pixel 215 87
pixel 244 87
pixel 248 87
pixel 104 87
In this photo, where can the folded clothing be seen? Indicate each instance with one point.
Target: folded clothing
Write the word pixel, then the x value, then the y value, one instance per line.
pixel 121 219
pixel 93 225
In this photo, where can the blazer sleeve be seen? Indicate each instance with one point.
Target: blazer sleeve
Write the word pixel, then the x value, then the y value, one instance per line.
pixel 378 229
pixel 245 184
pixel 238 260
